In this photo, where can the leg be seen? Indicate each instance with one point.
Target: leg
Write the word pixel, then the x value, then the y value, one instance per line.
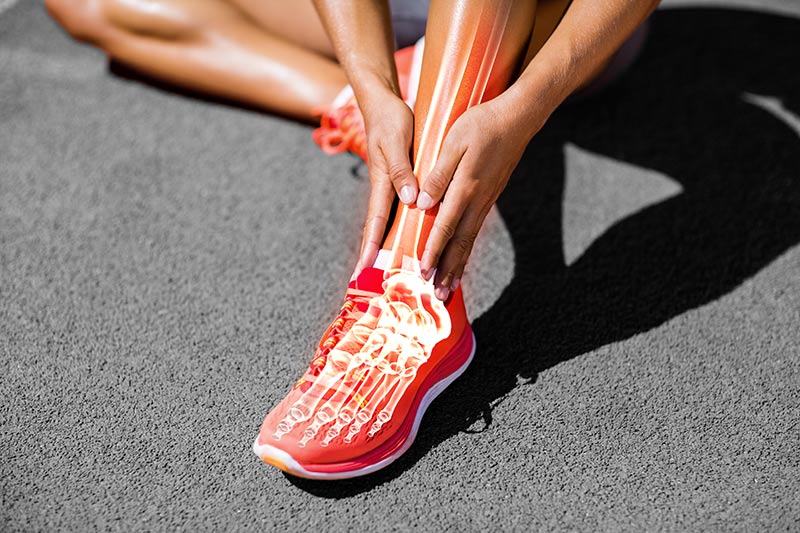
pixel 406 344
pixel 295 22
pixel 211 46
pixel 473 50
pixel 548 16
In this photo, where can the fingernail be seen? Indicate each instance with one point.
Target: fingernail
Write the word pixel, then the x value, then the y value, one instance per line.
pixel 424 200
pixel 442 293
pixel 407 194
pixel 455 284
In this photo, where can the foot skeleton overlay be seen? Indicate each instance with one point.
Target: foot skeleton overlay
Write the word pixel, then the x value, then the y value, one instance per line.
pixel 369 370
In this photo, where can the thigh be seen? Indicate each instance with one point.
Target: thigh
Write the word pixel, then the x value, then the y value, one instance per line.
pixel 295 21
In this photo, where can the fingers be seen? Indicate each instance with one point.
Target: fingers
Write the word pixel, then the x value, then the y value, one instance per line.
pixel 398 169
pixel 437 181
pixel 380 206
pixel 456 253
pixel 390 171
pixel 451 238
pixel 390 147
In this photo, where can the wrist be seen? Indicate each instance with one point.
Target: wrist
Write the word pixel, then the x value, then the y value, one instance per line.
pixel 372 89
pixel 371 74
pixel 536 95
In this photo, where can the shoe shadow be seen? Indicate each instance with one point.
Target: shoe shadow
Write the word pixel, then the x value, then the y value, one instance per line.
pixel 680 111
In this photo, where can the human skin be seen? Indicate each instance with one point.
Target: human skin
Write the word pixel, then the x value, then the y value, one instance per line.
pixel 484 145
pixel 473 49
pixel 277 56
pixel 270 54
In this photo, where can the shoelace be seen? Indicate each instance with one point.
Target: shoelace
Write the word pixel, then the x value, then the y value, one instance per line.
pixel 341 129
pixel 349 313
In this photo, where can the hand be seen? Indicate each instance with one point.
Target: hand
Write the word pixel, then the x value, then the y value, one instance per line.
pixel 390 129
pixel 477 158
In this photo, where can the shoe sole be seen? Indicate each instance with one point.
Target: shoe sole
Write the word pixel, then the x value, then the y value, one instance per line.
pixel 284 461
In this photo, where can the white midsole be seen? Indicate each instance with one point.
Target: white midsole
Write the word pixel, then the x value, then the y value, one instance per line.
pixel 266 450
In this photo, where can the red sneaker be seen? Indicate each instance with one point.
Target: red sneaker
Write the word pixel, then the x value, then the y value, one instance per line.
pixel 342 126
pixel 359 405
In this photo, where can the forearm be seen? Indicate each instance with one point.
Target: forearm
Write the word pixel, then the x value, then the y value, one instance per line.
pixel 581 45
pixel 361 34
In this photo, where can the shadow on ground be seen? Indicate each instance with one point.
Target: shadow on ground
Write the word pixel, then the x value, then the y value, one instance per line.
pixel 680 111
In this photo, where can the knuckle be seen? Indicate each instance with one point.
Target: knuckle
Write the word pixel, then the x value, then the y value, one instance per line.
pixel 446 229
pixel 397 172
pixel 470 236
pixel 437 181
pixel 368 239
pixel 376 219
pixel 373 222
pixel 462 245
pixel 470 188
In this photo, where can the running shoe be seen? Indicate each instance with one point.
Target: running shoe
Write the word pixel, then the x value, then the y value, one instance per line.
pixel 391 351
pixel 342 125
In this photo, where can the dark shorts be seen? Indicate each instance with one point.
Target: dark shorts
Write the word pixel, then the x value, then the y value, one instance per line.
pixel 408 20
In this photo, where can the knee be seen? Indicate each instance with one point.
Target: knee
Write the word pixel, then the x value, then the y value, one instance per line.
pixel 80 18
pixel 105 22
pixel 163 19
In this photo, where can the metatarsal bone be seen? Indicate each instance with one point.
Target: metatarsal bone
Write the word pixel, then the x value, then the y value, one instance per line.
pixel 385 383
pixel 346 412
pixel 404 380
pixel 335 367
pixel 407 322
pixel 330 409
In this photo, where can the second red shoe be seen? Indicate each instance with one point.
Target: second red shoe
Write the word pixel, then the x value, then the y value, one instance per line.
pixel 342 125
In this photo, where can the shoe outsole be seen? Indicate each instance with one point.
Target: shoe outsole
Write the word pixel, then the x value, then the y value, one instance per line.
pixel 284 461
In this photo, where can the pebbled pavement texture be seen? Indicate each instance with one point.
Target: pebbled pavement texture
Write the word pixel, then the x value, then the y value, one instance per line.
pixel 167 264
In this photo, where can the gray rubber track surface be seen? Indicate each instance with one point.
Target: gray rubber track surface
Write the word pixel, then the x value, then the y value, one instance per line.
pixel 168 263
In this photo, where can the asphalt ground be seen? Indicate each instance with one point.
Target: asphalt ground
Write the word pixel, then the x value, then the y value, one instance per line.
pixel 167 264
